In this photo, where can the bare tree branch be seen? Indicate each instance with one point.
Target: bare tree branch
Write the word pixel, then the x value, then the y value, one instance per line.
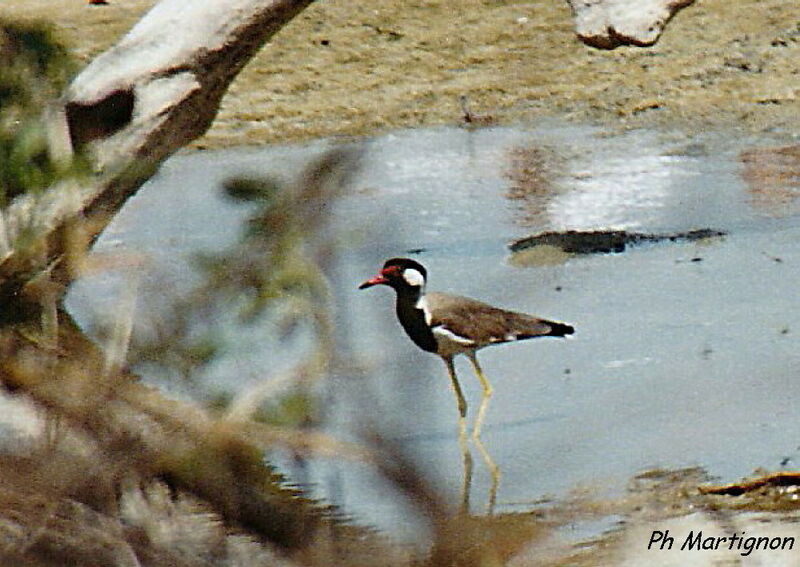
pixel 155 91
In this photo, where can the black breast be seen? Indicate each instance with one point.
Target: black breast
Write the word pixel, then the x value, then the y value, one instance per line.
pixel 413 321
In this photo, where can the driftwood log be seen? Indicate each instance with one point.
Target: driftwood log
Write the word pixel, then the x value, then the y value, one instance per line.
pixel 136 104
pixel 769 480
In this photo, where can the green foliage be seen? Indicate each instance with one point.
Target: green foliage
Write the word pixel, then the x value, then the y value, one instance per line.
pixel 34 68
pixel 290 410
pixel 251 189
pixel 272 278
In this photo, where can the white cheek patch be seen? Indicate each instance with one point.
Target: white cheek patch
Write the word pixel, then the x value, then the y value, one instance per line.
pixel 413 277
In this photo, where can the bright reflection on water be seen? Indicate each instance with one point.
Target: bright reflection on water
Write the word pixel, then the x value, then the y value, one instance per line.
pixel 685 353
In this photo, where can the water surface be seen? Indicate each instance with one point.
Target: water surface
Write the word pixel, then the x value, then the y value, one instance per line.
pixel 684 353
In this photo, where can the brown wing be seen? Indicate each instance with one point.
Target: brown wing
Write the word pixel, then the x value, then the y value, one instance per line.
pixel 485 324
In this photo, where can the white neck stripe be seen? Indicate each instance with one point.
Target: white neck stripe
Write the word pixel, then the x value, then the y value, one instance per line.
pixel 426 311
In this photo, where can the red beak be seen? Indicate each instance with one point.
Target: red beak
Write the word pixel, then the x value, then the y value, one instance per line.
pixel 379 279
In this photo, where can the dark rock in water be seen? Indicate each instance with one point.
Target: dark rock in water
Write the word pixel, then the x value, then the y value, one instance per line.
pixel 605 241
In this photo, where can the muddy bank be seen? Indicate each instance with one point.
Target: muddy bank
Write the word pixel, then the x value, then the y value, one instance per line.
pixel 344 70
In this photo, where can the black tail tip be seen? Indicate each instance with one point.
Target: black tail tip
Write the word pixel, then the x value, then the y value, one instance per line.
pixel 560 329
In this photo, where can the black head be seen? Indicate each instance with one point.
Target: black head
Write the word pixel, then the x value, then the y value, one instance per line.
pixel 399 273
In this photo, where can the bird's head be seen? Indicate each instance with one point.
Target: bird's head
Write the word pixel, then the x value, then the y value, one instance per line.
pixel 400 274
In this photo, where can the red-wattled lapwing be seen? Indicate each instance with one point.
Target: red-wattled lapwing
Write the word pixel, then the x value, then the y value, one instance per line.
pixel 448 325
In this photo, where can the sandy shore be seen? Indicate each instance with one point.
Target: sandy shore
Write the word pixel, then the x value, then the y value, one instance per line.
pixel 343 69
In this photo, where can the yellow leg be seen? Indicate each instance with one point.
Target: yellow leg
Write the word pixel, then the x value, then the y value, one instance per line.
pixel 466 461
pixel 487 393
pixel 494 475
pixel 494 470
pixel 466 455
pixel 451 371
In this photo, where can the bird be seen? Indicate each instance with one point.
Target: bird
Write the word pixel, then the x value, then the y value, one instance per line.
pixel 448 325
pixel 469 118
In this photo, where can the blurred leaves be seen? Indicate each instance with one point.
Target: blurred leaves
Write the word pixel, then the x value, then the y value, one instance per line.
pixel 273 280
pixel 251 189
pixel 289 410
pixel 34 68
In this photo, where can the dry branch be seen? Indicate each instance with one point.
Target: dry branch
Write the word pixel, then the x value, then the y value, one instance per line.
pixel 777 479
pixel 148 96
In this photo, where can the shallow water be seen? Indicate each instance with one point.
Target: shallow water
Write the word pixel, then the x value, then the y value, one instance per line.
pixel 684 353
